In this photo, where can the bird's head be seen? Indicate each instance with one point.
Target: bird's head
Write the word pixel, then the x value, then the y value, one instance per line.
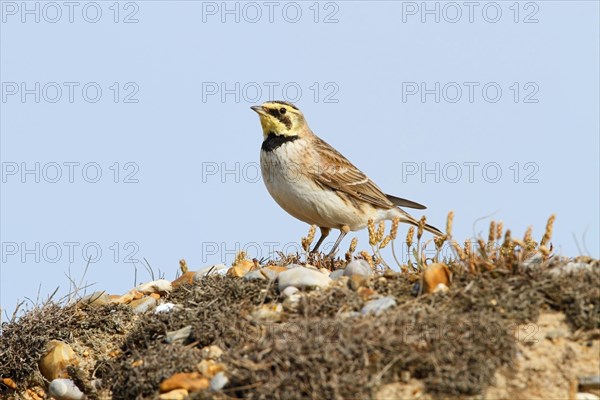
pixel 280 118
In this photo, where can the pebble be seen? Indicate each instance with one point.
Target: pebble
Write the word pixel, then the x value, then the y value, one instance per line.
pixel 190 381
pixel 589 382
pixel 212 352
pixel 128 297
pixel 437 278
pixel 142 305
pixel 64 389
pixel 366 293
pixel 59 355
pixel 358 267
pixel 586 396
pixel 556 334
pixel 179 336
pixel 165 308
pixel 218 382
pixel 160 286
pixel 217 269
pixel 338 273
pixel 291 303
pixel 291 296
pixel 378 306
pixel 257 275
pixel 10 383
pixel 185 279
pixel 240 269
pixel 349 314
pixel 302 277
pixel 289 291
pixel 95 299
pixel 357 281
pixel 177 394
pixel 271 272
pixel 209 368
pixel 571 267
pixel 268 312
pixel 37 393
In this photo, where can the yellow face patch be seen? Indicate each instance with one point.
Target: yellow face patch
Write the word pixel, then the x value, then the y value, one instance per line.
pixel 280 118
pixel 272 124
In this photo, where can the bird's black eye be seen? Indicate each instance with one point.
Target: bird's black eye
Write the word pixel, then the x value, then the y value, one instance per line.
pixel 282 110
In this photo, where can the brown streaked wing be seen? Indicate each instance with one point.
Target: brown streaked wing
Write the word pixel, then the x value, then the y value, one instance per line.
pixel 336 172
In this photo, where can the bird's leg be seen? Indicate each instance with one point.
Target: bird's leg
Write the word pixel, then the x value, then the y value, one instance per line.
pixel 345 229
pixel 324 234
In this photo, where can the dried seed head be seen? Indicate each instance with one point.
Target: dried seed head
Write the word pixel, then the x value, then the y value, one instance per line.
pixel 394 229
pixel 183 266
pixel 307 241
pixel 493 231
pixel 353 244
pixel 545 251
pixel 409 236
pixel 421 226
pixel 239 257
pixel 507 246
pixel 351 249
pixel 458 249
pixel 481 244
pixel 548 233
pixel 467 248
pixel 528 234
pixel 385 241
pixel 449 222
pixel 507 238
pixel 439 241
pixel 499 229
pixel 380 231
pixel 372 234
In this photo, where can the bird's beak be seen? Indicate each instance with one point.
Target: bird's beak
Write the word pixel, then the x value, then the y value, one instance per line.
pixel 259 109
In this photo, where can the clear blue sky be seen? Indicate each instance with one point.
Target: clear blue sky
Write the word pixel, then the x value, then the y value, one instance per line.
pixel 489 109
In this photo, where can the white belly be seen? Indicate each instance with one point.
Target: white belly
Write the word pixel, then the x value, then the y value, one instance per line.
pixel 291 187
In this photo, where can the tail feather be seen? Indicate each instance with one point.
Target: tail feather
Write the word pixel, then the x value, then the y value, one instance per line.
pixel 411 220
pixel 400 202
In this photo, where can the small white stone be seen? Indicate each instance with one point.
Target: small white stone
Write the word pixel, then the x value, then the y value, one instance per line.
pixel 64 389
pixel 441 288
pixel 261 275
pixel 217 269
pixel 337 274
pixel 142 305
pixel 179 336
pixel 586 396
pixel 358 267
pixel 302 277
pixel 96 298
pixel 157 286
pixel 268 312
pixel 164 308
pixel 378 306
pixel 218 382
pixel 289 291
pixel 571 267
pixel 212 352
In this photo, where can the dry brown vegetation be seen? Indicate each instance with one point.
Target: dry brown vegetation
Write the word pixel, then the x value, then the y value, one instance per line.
pixel 453 343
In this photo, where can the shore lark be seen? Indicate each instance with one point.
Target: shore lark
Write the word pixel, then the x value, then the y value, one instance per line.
pixel 316 184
